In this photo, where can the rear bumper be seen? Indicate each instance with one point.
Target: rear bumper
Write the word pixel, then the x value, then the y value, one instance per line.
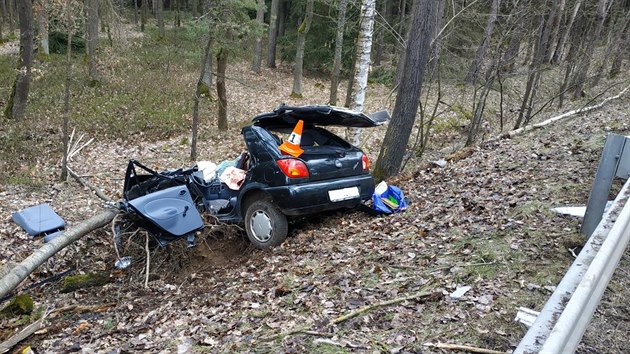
pixel 312 197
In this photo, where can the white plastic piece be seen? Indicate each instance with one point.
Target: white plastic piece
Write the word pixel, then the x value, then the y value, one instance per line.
pixel 526 316
pixel 459 292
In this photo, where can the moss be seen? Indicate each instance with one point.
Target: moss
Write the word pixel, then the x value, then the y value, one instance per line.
pixel 203 89
pixel 20 305
pixel 296 95
pixel 75 282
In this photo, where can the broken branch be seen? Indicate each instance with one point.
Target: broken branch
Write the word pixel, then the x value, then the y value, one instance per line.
pixel 23 334
pixel 85 183
pixel 465 348
pixel 16 275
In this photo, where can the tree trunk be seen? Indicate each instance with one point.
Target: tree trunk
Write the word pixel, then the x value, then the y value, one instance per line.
pixel 177 21
pixel 436 48
pixel 622 44
pixel 160 18
pixel 406 107
pixel 260 19
pixel 273 34
pixel 341 23
pixel 92 41
pixel 282 17
pixel 618 33
pixel 19 94
pixel 135 12
pixel 544 39
pixel 511 53
pixel 380 37
pixel 400 48
pixel 66 96
pixel 222 57
pixel 364 49
pixel 27 266
pixel 353 72
pixel 205 72
pixel 555 30
pixel 42 20
pixel 579 79
pixel 144 14
pixel 473 73
pixel 299 55
pixel 559 52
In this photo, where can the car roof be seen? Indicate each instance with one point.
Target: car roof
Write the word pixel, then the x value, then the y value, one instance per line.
pixel 324 115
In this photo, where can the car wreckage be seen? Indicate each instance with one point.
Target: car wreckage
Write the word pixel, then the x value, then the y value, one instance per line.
pixel 265 185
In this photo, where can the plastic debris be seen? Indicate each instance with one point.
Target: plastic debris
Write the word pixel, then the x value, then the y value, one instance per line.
pixel 459 292
pixel 526 316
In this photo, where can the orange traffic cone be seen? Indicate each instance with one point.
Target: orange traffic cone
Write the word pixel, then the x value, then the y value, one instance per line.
pixel 292 145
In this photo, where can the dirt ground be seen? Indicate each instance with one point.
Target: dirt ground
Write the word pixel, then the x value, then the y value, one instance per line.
pixel 482 221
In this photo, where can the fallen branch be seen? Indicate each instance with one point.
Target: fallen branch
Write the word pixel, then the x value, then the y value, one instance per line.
pixel 16 275
pixel 87 184
pixel 362 310
pixel 23 334
pixel 465 348
pixel 512 133
pixel 82 308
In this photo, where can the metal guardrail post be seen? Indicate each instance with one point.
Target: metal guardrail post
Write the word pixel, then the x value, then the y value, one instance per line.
pixel 608 164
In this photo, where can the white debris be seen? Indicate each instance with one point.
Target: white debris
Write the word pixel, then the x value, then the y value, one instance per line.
pixel 440 162
pixel 459 292
pixel 526 316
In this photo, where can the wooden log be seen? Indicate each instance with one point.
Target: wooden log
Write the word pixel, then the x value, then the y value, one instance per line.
pixel 16 275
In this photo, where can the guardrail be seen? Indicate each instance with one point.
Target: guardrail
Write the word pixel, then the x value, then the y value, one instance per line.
pixel 561 323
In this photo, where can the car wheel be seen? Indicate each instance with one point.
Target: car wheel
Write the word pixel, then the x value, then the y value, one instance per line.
pixel 265 224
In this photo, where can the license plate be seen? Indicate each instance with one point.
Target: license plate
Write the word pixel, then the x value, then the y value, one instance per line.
pixel 338 195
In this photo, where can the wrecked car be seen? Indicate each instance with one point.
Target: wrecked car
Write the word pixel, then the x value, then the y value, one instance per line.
pixel 265 185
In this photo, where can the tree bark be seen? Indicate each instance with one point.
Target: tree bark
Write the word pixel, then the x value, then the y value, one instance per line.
pixel 364 50
pixel 555 30
pixel 579 78
pixel 92 42
pixel 16 105
pixel 144 14
pixel 273 34
pixel 42 20
pixel 473 73
pixel 336 72
pixel 299 55
pixel 559 52
pixel 282 17
pixel 380 37
pixel 436 48
pixel 135 12
pixel 260 19
pixel 407 100
pixel 622 44
pixel 222 57
pixel 27 266
pixel 618 34
pixel 66 96
pixel 206 72
pixel 177 20
pixel 160 18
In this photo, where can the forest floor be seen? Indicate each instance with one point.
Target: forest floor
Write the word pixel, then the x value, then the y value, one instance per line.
pixel 482 221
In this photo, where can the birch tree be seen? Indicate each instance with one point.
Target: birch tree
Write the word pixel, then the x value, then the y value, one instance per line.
pixel 364 49
pixel 305 26
pixel 341 24
pixel 407 99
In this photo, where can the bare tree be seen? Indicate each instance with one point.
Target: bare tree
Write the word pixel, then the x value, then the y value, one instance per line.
pixel 144 15
pixel 617 34
pixel 273 33
pixel 41 12
pixel 92 41
pixel 159 14
pixel 66 96
pixel 579 78
pixel 483 47
pixel 222 57
pixel 305 26
pixel 406 106
pixel 621 45
pixel 380 37
pixel 341 23
pixel 205 72
pixel 364 50
pixel 19 94
pixel 260 19
pixel 564 34
pixel 555 29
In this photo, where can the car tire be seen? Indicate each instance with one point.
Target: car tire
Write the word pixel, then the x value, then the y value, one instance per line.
pixel 265 224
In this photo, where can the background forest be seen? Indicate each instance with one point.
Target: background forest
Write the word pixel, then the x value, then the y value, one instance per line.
pixel 151 70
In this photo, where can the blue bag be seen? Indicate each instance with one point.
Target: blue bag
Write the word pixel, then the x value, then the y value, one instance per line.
pixel 392 200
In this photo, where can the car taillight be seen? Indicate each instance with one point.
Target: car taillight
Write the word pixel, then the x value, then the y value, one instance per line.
pixel 293 168
pixel 366 162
